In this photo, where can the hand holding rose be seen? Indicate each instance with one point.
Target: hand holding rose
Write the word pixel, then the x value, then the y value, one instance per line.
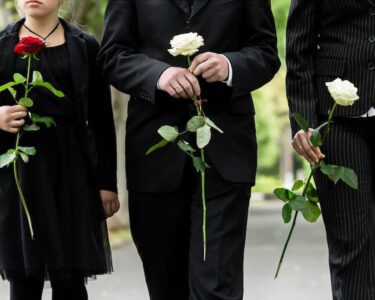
pixel 211 66
pixel 11 118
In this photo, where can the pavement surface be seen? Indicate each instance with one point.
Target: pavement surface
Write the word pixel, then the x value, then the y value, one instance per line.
pixel 304 275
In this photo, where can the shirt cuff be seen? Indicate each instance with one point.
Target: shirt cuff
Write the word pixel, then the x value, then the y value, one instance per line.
pixel 229 81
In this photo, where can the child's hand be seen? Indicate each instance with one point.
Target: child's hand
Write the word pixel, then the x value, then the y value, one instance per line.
pixel 110 202
pixel 12 118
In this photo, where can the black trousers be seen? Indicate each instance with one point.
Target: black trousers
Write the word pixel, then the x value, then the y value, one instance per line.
pixel 167 231
pixel 31 288
pixel 349 215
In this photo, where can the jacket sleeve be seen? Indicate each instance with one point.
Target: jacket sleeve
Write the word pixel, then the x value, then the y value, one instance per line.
pixel 257 61
pixel 101 122
pixel 300 49
pixel 126 68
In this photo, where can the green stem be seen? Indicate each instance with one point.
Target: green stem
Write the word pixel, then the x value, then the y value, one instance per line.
pixel 22 197
pixel 329 121
pixel 292 227
pixel 204 226
pixel 19 188
pixel 28 77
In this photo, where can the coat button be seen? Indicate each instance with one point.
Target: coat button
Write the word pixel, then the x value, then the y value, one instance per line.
pixel 187 24
pixel 371 39
pixel 372 11
pixel 371 66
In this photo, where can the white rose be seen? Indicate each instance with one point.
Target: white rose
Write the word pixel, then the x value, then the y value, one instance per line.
pixel 186 44
pixel 343 92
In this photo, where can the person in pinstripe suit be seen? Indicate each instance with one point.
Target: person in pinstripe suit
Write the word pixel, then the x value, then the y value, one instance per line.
pixel 327 39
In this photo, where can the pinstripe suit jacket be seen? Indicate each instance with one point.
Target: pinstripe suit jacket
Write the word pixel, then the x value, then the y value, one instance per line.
pixel 327 39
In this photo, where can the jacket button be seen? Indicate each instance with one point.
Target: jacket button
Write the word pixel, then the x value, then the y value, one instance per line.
pixel 372 11
pixel 187 23
pixel 371 66
pixel 371 39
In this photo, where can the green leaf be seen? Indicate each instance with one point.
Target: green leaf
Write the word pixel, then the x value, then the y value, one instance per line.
pixel 213 125
pixel 7 86
pixel 159 145
pixel 284 194
pixel 26 102
pixel 185 146
pixel 302 122
pixel 13 92
pixel 286 213
pixel 194 123
pixel 37 78
pixel 19 78
pixel 316 138
pixel 311 212
pixel 47 121
pixel 168 133
pixel 28 150
pixel 350 178
pixel 203 136
pixel 31 127
pixel 7 158
pixel 199 164
pixel 333 172
pixel 24 157
pixel 298 203
pixel 312 193
pixel 297 185
pixel 38 81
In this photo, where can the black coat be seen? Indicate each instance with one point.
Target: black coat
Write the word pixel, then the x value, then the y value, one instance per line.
pixel 327 39
pixel 91 93
pixel 134 54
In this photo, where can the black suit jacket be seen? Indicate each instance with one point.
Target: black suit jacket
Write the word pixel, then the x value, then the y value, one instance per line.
pixel 134 54
pixel 92 98
pixel 327 39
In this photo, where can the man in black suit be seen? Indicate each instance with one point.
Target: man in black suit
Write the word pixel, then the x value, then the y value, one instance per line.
pixel 238 57
pixel 328 39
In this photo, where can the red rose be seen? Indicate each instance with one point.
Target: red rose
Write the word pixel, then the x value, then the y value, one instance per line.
pixel 29 45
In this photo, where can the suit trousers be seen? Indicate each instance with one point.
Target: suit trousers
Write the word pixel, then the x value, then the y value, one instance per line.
pixel 167 231
pixel 349 215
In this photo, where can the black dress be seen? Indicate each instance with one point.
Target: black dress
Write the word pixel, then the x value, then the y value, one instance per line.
pixel 61 193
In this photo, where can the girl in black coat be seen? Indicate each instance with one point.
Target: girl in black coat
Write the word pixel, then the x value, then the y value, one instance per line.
pixel 70 185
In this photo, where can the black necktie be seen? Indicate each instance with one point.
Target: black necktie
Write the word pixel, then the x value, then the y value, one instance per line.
pixel 190 2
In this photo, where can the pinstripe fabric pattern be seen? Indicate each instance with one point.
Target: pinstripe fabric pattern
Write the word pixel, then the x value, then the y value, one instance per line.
pixel 349 215
pixel 328 39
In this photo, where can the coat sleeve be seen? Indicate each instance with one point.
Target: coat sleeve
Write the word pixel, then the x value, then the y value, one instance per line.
pixel 126 68
pixel 300 49
pixel 101 122
pixel 257 61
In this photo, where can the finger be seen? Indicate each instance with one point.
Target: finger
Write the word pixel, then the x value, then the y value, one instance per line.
pixel 297 147
pixel 17 108
pixel 11 130
pixel 180 91
pixel 198 60
pixel 171 92
pixel 188 88
pixel 213 78
pixel 209 73
pixel 17 123
pixel 308 150
pixel 203 67
pixel 18 115
pixel 194 83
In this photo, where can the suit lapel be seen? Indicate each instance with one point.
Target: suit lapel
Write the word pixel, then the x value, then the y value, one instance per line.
pixel 183 5
pixel 198 6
